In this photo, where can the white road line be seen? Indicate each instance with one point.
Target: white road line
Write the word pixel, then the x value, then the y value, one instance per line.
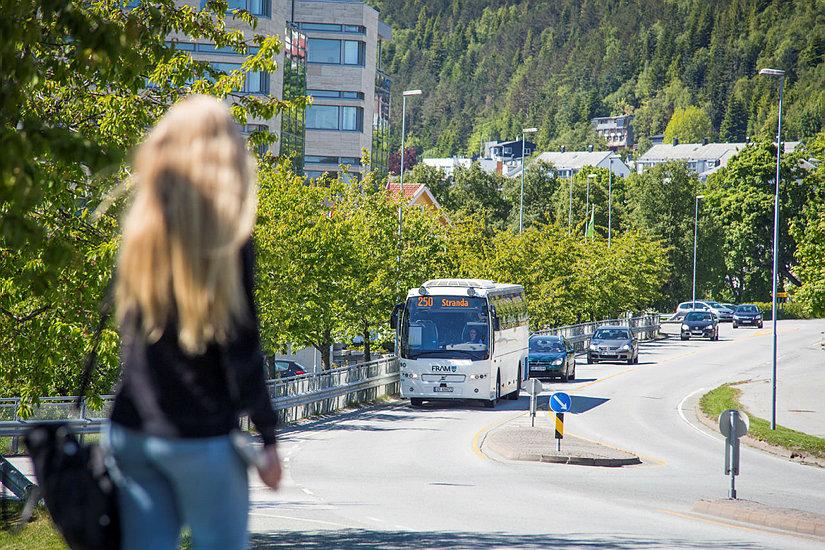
pixel 307 491
pixel 374 519
pixel 277 516
pixel 688 422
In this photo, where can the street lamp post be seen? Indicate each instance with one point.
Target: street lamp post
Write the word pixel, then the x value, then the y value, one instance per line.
pixel 609 201
pixel 521 200
pixel 405 95
pixel 780 74
pixel 695 240
pixel 587 202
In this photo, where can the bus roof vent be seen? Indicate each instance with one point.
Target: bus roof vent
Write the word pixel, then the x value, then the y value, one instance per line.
pixel 460 283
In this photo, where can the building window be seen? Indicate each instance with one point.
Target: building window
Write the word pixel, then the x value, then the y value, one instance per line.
pixel 335 117
pixel 351 161
pixel 331 27
pixel 248 129
pixel 295 80
pixel 336 52
pixel 336 94
pixel 381 123
pixel 259 8
pixel 257 82
pixel 322 117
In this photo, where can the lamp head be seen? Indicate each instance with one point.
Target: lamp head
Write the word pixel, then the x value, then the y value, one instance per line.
pixel 772 72
pixel 529 130
pixel 408 93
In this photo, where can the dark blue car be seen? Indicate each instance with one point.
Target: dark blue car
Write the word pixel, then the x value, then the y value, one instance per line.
pixel 551 357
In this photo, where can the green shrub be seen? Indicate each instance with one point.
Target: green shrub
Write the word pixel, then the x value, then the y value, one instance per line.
pixel 788 310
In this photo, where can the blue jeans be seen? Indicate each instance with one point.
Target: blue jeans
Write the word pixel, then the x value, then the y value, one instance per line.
pixel 165 484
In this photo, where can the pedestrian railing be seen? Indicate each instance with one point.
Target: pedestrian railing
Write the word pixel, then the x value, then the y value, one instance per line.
pixel 293 398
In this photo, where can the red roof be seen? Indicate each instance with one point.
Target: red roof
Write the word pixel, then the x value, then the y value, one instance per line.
pixel 410 189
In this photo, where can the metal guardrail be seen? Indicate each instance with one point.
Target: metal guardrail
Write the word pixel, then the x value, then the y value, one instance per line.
pixel 646 327
pixel 293 398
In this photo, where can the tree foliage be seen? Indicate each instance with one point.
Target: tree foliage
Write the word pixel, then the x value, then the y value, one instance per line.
pixel 81 82
pixel 690 125
pixel 489 68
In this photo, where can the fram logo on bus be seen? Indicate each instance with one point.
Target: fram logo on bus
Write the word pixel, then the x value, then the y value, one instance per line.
pixel 444 368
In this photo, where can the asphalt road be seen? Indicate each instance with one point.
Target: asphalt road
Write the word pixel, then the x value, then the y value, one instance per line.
pixel 393 476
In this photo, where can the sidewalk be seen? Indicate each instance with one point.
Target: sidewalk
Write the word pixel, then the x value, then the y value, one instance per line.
pixel 800 389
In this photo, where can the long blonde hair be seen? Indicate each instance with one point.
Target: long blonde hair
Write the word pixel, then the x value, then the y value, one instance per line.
pixel 193 210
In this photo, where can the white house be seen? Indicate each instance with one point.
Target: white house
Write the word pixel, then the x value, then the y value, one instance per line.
pixel 701 158
pixel 569 163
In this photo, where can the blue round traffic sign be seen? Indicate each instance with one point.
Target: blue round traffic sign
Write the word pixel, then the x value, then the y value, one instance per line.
pixel 560 402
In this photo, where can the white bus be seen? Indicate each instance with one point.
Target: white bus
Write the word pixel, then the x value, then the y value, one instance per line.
pixel 462 339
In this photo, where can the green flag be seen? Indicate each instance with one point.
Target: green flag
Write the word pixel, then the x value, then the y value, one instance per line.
pixel 590 231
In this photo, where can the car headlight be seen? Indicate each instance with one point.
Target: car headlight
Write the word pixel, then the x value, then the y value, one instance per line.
pixel 685 327
pixel 593 347
pixel 557 362
pixel 626 347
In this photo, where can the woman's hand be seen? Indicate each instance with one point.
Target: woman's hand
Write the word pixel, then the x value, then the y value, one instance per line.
pixel 271 475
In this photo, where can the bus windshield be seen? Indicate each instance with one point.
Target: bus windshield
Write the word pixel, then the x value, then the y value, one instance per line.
pixel 454 327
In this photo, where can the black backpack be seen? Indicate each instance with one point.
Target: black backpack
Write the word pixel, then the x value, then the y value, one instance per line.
pixel 73 479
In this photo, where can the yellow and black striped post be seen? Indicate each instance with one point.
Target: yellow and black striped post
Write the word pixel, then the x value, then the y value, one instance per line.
pixel 559 430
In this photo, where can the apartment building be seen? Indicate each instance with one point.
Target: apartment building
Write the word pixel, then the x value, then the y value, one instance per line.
pixel 331 51
pixel 351 94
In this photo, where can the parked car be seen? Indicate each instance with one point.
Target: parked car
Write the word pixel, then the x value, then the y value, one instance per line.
pixel 551 357
pixel 612 343
pixel 747 314
pixel 723 312
pixel 283 368
pixel 731 307
pixel 700 323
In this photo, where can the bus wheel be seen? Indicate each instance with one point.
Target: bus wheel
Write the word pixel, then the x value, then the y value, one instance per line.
pixel 513 396
pixel 416 401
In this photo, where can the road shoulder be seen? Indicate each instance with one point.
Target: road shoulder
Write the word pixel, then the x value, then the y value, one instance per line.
pixel 747 511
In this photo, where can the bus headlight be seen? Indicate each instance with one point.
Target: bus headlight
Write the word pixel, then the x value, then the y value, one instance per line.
pixel 477 376
pixel 412 375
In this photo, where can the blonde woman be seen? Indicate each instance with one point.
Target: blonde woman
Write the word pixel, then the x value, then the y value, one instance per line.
pixel 191 353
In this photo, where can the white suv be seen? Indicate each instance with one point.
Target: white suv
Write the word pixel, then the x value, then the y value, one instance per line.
pixel 685 307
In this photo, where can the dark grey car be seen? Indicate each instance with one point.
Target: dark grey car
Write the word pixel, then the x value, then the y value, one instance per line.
pixel 747 314
pixel 613 344
pixel 703 324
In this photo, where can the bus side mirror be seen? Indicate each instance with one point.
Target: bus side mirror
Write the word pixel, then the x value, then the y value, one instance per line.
pixel 496 323
pixel 394 317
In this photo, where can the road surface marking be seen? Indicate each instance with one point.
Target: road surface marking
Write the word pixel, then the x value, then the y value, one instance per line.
pixel 294 518
pixel 307 491
pixel 734 525
pixel 483 432
pixel 688 422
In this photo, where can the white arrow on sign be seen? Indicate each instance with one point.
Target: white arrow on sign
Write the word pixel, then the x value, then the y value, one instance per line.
pixel 562 404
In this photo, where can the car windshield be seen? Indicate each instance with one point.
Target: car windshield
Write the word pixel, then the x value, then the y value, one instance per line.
pixel 611 334
pixel 698 316
pixel 746 309
pixel 545 345
pixel 714 304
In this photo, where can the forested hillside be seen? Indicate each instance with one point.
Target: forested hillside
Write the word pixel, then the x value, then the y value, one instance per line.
pixel 490 67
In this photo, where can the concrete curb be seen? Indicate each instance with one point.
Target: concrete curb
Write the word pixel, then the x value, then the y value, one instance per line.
pixel 752 442
pixel 516 440
pixel 786 519
pixel 564 459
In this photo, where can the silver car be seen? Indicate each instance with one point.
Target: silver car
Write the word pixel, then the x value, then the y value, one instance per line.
pixel 613 343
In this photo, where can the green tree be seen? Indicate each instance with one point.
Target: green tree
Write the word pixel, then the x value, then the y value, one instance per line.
pixel 75 100
pixel 690 125
pixel 433 177
pixel 734 126
pixel 540 183
pixel 475 191
pixel 740 198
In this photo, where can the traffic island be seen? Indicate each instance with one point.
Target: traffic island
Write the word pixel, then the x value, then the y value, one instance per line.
pixel 747 511
pixel 517 440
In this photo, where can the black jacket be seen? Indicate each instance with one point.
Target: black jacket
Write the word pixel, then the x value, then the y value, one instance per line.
pixel 167 393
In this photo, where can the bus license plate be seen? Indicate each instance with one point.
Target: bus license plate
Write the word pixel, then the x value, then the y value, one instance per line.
pixel 439 388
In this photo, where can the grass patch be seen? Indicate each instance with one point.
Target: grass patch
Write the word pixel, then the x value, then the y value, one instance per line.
pixel 726 397
pixel 40 533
